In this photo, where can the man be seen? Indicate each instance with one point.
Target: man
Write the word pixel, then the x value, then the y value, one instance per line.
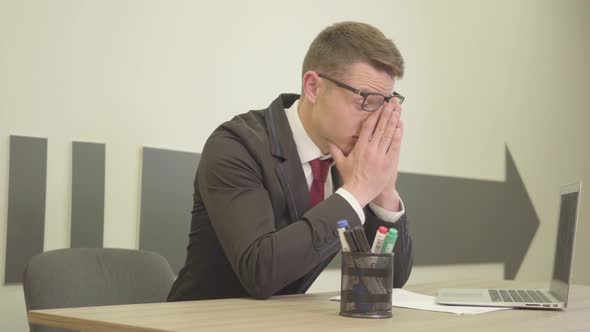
pixel 265 211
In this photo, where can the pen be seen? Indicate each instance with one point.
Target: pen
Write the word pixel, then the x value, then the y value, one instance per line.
pixel 389 242
pixel 361 239
pixel 342 227
pixel 350 240
pixel 379 239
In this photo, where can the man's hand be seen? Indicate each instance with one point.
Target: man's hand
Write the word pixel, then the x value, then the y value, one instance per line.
pixel 389 198
pixel 370 170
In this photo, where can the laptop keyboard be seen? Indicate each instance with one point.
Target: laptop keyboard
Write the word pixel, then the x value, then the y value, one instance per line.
pixel 517 295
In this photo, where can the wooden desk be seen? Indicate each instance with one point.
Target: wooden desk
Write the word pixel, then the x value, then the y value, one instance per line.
pixel 313 312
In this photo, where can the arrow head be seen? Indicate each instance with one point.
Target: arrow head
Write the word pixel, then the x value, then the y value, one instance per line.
pixel 522 223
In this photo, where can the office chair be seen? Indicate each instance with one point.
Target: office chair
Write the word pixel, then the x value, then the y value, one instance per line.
pixel 93 277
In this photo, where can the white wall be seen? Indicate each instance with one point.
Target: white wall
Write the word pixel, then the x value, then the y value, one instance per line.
pixel 165 73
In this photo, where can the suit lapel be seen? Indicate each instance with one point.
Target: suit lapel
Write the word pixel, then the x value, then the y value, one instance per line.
pixel 288 164
pixel 290 174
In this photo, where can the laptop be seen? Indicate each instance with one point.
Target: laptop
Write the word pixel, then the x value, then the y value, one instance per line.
pixel 553 298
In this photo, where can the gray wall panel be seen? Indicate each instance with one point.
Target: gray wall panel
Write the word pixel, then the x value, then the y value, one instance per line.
pixel 88 185
pixel 166 201
pixel 26 203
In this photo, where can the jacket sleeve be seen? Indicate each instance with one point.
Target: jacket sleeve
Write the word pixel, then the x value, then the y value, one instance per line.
pixel 264 259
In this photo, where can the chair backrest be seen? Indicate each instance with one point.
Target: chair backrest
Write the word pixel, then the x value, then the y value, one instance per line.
pixel 92 277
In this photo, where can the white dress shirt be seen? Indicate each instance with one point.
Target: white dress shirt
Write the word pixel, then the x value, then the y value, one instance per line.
pixel 308 151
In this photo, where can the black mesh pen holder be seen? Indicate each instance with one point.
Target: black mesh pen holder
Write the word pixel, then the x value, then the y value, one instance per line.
pixel 366 285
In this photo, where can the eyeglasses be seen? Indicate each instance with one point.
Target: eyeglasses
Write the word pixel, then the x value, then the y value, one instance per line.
pixel 371 100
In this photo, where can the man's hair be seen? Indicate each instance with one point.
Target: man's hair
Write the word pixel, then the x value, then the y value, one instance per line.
pixel 342 44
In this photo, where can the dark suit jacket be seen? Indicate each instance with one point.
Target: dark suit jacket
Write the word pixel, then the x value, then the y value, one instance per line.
pixel 253 232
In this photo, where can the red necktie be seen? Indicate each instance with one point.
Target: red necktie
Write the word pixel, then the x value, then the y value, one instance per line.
pixel 319 169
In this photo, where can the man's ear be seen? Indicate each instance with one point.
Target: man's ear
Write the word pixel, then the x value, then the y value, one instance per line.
pixel 311 86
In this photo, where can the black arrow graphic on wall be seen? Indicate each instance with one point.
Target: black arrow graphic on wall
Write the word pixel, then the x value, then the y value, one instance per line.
pixel 461 221
pixel 452 220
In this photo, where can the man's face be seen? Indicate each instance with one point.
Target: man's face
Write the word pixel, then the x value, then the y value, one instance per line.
pixel 338 115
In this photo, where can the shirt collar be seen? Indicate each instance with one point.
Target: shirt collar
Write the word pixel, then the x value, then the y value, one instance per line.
pixel 306 148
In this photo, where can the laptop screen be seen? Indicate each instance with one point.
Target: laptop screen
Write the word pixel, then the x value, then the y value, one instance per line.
pixel 564 252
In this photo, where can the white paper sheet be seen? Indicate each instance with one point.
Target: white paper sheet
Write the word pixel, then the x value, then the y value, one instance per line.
pixel 405 299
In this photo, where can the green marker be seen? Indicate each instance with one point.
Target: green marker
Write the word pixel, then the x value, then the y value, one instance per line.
pixel 389 242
